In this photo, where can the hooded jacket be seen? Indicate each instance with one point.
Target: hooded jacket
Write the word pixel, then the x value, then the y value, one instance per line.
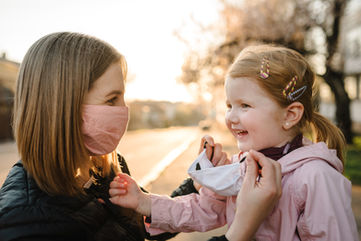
pixel 315 202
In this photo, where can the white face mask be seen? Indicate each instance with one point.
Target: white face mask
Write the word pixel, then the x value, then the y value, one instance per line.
pixel 224 180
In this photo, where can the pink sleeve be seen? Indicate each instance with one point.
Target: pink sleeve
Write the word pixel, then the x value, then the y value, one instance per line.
pixel 193 212
pixel 325 199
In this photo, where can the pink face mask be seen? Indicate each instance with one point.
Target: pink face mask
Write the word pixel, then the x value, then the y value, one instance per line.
pixel 103 127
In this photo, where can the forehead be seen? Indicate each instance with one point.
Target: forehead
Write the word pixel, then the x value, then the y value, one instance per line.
pixel 242 85
pixel 246 89
pixel 111 80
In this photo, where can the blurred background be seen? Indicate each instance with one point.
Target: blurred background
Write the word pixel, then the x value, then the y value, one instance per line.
pixel 178 53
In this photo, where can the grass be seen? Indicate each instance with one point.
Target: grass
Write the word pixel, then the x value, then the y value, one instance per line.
pixel 353 162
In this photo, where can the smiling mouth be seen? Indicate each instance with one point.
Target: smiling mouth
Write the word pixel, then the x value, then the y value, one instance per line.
pixel 241 133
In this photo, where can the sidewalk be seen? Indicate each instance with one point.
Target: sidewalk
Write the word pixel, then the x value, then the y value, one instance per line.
pixel 177 171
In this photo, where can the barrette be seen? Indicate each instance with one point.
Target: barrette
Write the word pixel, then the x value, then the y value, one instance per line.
pixel 292 93
pixel 264 71
pixel 291 85
pixel 297 93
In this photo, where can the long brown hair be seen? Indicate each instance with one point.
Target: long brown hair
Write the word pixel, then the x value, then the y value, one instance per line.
pixel 284 64
pixel 56 73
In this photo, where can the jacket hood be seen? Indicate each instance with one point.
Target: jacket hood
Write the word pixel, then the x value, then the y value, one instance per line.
pixel 309 152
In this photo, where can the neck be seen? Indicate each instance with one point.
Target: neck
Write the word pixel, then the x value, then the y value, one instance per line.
pixel 278 152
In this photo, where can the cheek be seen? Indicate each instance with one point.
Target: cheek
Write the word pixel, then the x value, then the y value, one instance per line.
pixel 227 120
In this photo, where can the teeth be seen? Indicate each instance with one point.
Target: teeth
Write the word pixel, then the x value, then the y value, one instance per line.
pixel 239 131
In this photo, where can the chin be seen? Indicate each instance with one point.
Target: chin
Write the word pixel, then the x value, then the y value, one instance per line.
pixel 243 147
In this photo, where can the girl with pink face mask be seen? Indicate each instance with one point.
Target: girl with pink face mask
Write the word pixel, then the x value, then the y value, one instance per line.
pixel 69 116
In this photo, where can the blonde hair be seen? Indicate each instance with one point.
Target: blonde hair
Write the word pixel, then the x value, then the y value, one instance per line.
pixel 56 73
pixel 285 64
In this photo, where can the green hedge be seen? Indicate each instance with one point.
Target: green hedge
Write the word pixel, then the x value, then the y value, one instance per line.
pixel 353 162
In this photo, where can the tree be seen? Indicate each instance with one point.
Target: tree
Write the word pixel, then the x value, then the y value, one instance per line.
pixel 312 27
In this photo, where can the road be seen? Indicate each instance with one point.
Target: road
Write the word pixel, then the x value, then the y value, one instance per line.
pixel 148 152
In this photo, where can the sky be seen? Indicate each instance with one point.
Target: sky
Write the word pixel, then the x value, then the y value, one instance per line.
pixel 142 30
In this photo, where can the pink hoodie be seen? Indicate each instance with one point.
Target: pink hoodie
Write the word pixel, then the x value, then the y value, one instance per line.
pixel 315 203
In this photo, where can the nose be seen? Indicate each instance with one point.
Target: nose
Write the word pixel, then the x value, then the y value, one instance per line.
pixel 232 117
pixel 121 102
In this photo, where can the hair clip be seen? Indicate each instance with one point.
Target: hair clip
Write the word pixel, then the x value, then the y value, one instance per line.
pixel 300 91
pixel 264 72
pixel 292 93
pixel 291 85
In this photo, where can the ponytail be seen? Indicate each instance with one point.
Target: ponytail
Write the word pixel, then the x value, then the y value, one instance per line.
pixel 324 130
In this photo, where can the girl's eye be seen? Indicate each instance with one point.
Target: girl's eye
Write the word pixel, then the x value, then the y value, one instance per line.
pixel 245 106
pixel 229 106
pixel 112 101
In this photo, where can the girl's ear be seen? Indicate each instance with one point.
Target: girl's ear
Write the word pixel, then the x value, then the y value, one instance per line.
pixel 293 115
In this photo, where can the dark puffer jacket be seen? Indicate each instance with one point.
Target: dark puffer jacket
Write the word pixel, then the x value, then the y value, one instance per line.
pixel 27 213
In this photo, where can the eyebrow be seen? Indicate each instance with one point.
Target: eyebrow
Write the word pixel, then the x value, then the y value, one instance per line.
pixel 237 101
pixel 114 92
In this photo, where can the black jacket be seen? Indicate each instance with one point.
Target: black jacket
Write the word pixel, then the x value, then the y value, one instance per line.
pixel 28 213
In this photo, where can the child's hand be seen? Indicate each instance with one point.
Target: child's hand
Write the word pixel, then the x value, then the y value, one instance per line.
pixel 124 191
pixel 214 154
pixel 214 151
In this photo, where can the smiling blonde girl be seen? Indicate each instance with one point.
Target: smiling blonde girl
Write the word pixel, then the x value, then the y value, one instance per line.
pixel 269 93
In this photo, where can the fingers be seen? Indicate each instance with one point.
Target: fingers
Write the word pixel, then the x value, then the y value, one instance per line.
pixel 119 185
pixel 252 171
pixel 271 173
pixel 206 140
pixel 215 154
pixel 210 151
pixel 264 163
pixel 214 151
pixel 222 161
pixel 117 188
pixel 115 192
pixel 124 176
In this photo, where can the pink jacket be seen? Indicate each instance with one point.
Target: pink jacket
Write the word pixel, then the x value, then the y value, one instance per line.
pixel 315 203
